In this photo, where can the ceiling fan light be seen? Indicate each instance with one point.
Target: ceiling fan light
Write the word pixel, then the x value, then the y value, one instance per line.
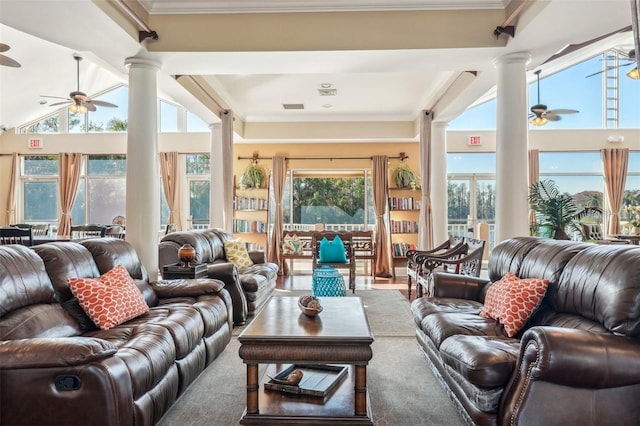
pixel 73 109
pixel 634 74
pixel 539 121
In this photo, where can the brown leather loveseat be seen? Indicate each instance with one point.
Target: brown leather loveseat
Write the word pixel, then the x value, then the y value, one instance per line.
pixel 58 368
pixel 576 361
pixel 250 286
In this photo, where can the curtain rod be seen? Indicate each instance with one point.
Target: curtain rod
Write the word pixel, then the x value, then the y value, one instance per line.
pixel 320 158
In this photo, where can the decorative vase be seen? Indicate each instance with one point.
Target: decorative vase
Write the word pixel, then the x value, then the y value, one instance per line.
pixel 186 254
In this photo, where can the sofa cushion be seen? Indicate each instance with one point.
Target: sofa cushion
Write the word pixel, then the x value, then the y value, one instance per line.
pixel 111 299
pixel 236 252
pixel 332 251
pixel 485 361
pixel 440 326
pixel 494 297
pixel 423 306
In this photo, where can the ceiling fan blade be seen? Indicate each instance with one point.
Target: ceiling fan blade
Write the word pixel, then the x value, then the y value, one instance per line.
pixel 89 106
pixel 552 117
pixel 4 47
pixel 55 97
pixel 610 68
pixel 103 103
pixel 8 62
pixel 61 103
pixel 562 111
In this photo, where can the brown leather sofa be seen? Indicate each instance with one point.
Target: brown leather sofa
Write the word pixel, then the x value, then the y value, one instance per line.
pixel 57 368
pixel 250 287
pixel 575 362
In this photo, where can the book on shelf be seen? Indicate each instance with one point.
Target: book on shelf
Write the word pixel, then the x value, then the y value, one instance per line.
pixel 404 203
pixel 241 225
pixel 404 226
pixel 245 203
pixel 400 249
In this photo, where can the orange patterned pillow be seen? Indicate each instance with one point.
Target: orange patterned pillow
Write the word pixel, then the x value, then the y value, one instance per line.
pixel 494 299
pixel 511 301
pixel 111 299
pixel 522 300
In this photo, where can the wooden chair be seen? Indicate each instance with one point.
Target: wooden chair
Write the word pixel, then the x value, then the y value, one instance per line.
pixel 593 232
pixel 171 227
pixel 114 231
pixel 450 248
pixel 119 220
pixel 469 263
pixel 350 265
pixel 40 229
pixel 80 232
pixel 364 248
pixel 14 235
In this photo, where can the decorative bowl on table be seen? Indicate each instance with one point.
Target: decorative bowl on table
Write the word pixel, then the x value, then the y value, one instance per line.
pixel 309 305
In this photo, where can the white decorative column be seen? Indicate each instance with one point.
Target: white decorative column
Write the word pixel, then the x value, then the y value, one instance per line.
pixel 512 140
pixel 439 197
pixel 216 189
pixel 143 175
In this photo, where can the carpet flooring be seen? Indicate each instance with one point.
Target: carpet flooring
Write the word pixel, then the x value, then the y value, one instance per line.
pixel 403 391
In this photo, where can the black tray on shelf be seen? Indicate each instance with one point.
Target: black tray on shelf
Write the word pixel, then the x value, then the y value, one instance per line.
pixel 317 380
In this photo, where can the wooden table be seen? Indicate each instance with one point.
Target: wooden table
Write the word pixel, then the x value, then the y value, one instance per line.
pixel 280 335
pixel 632 238
pixel 43 239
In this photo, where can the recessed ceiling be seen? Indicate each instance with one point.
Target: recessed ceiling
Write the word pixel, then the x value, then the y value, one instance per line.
pixel 380 90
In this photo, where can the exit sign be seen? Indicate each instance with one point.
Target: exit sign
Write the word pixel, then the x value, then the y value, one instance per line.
pixel 474 140
pixel 35 143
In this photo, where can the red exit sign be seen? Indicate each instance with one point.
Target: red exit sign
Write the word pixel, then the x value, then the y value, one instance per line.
pixel 35 143
pixel 474 140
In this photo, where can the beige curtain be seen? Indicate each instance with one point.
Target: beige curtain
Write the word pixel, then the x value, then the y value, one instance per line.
pixel 279 177
pixel 425 224
pixel 380 175
pixel 635 24
pixel 614 163
pixel 227 168
pixel 11 199
pixel 70 169
pixel 169 173
pixel 534 176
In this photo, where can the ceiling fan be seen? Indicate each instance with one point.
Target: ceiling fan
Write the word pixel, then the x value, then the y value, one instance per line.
pixel 78 101
pixel 630 56
pixel 5 60
pixel 541 115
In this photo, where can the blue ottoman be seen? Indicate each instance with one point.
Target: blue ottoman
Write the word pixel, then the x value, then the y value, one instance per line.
pixel 327 282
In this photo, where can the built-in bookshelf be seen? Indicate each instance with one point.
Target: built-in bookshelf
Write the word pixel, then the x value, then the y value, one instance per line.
pixel 251 216
pixel 404 213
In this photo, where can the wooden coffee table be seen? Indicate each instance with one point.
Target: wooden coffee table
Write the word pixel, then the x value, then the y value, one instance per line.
pixel 281 335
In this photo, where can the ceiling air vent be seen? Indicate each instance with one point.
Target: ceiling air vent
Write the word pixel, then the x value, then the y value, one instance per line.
pixel 327 92
pixel 293 106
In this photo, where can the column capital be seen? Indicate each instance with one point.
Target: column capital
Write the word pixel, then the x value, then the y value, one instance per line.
pixel 140 62
pixel 514 58
pixel 214 126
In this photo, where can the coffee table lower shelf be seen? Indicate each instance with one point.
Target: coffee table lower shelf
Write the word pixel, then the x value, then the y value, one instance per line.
pixel 278 408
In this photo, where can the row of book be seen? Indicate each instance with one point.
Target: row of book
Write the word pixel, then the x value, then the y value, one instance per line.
pixel 241 225
pixel 244 203
pixel 404 203
pixel 400 249
pixel 404 226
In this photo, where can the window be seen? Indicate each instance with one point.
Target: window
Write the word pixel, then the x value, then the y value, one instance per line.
pixel 101 191
pixel 108 119
pixel 198 179
pixel 195 124
pixel 168 117
pixel 631 196
pixel 39 176
pixel 339 199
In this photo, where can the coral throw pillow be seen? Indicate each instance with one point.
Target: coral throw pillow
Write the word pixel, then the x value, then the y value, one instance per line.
pixel 513 301
pixel 236 252
pixel 111 299
pixel 332 251
pixel 494 300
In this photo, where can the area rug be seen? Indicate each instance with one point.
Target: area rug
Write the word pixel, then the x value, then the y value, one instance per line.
pixel 403 391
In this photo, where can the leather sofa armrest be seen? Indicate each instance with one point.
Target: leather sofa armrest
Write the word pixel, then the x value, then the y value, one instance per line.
pixel 578 358
pixel 458 286
pixel 562 367
pixel 228 274
pixel 258 256
pixel 166 289
pixel 53 352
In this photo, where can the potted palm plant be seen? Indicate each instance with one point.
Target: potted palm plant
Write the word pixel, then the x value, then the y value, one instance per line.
pixel 555 211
